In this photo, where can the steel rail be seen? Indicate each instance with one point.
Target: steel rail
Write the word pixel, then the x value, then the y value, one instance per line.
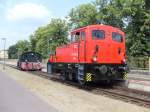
pixel 137 97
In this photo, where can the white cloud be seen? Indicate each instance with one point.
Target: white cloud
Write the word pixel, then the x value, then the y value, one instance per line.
pixel 27 11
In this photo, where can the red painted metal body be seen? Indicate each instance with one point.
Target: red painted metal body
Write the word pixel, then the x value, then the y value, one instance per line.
pixel 87 49
pixel 30 61
pixel 31 66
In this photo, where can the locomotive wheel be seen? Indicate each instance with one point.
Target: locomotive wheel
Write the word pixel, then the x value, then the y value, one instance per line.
pixel 63 76
pixel 81 75
pixel 124 83
pixel 107 82
pixel 82 82
pixel 70 76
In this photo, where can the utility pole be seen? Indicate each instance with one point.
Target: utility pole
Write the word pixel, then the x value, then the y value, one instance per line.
pixel 48 48
pixel 4 39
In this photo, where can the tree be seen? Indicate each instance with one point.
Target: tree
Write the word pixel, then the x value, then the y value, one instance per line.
pixel 83 15
pixel 138 30
pixel 113 12
pixel 13 52
pixel 132 16
pixel 47 38
pixel 33 42
pixel 23 46
pixel 108 12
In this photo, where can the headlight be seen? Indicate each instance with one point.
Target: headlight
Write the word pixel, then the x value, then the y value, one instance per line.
pixel 95 58
pixel 124 61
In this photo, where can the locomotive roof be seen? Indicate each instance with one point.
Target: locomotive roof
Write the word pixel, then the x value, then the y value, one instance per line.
pixel 30 52
pixel 96 25
pixel 27 56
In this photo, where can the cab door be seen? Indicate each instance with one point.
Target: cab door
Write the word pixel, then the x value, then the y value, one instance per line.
pixel 97 45
pixel 117 46
pixel 74 48
pixel 82 47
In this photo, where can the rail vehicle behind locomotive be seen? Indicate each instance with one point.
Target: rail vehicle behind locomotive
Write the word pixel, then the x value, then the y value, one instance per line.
pixel 30 61
pixel 95 53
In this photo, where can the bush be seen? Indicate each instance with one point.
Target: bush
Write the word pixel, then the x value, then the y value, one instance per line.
pixel 138 62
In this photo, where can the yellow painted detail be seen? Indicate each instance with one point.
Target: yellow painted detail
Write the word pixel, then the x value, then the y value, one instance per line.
pixel 88 77
pixel 125 75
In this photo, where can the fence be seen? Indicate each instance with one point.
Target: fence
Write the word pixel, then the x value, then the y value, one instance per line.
pixel 141 63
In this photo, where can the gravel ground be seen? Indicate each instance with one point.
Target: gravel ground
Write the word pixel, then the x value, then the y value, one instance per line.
pixel 69 99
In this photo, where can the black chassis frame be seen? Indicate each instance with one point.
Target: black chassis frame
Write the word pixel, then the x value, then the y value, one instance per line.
pixel 114 71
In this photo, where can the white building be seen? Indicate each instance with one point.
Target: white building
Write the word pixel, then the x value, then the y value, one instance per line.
pixel 2 54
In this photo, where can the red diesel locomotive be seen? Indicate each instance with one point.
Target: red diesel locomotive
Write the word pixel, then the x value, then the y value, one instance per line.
pixel 95 53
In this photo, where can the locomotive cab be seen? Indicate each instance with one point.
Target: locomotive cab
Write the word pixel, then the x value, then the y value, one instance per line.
pixel 105 45
pixel 95 53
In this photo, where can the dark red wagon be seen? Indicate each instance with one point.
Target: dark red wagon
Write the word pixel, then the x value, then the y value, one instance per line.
pixel 30 61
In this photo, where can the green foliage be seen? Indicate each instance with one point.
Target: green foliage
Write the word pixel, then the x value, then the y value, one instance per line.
pixel 13 52
pixel 47 38
pixel 23 46
pixel 138 62
pixel 111 12
pixel 20 47
pixel 33 42
pixel 83 15
pixel 132 16
pixel 138 30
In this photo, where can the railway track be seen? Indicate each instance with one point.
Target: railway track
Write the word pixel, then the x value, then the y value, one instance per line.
pixel 137 97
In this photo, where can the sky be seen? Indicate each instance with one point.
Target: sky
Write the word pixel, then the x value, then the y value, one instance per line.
pixel 20 18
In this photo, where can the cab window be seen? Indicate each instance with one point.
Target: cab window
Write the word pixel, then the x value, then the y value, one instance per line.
pixel 98 34
pixel 77 36
pixel 117 37
pixel 83 35
pixel 72 38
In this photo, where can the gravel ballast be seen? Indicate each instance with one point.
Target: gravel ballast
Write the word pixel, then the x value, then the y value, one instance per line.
pixel 69 99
